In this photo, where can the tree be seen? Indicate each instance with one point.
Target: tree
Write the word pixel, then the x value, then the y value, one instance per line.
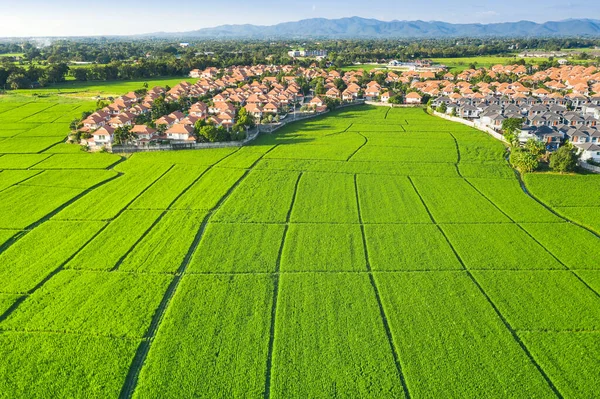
pixel 511 128
pixel 564 159
pixel 80 74
pixel 442 108
pixel 123 135
pixel 56 72
pixel 535 147
pixel 332 103
pixel 523 160
pixel 18 81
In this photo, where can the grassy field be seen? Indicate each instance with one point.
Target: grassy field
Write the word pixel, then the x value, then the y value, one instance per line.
pixel 369 253
pixel 87 90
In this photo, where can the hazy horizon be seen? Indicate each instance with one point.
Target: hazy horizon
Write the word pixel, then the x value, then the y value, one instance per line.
pixel 68 18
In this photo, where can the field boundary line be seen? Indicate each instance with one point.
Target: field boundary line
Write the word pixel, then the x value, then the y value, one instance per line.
pixel 48 216
pixel 567 268
pixel 39 162
pixel 65 332
pixel 22 105
pixel 61 140
pixel 52 273
pixel 359 148
pixel 39 171
pixel 382 314
pixel 164 211
pixel 549 208
pixel 276 275
pixel 340 132
pixel 143 349
pixel 387 112
pixel 35 113
pixel 507 325
pixel 85 244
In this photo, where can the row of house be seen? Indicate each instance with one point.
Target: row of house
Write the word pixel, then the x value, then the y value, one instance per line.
pixel 552 124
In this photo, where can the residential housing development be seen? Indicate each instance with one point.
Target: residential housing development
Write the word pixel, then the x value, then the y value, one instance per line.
pixel 264 92
pixel 556 105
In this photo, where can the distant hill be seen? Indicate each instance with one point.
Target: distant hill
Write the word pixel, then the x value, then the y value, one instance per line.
pixel 356 27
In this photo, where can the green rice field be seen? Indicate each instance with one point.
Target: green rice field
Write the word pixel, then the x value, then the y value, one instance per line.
pixel 368 253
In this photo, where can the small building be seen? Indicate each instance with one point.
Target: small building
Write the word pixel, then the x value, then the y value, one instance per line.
pixel 413 98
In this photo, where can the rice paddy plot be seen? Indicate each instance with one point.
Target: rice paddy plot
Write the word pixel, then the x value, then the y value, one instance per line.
pixel 75 178
pixel 25 145
pixel 107 201
pixel 245 157
pixel 115 241
pixel 500 246
pixel 571 360
pixel 583 190
pixel 39 365
pixel 8 129
pixel 21 205
pixel 330 340
pixel 20 161
pixel 64 148
pixel 450 341
pixel 542 300
pixel 388 168
pixel 409 248
pixel 40 252
pixel 213 341
pixel 323 247
pixel 6 301
pixel 48 130
pixel 406 154
pixel 51 114
pixel 97 303
pixel 510 198
pixel 164 248
pixel 415 141
pixel 591 278
pixel 238 248
pixel 312 151
pixel 12 177
pixel 389 199
pixel 574 246
pixel 455 201
pixel 262 197
pixel 18 114
pixel 78 161
pixel 585 216
pixel 191 157
pixel 169 187
pixel 328 198
pixel 489 170
pixel 206 193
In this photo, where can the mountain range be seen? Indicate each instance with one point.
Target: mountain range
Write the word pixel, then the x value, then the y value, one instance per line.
pixel 356 27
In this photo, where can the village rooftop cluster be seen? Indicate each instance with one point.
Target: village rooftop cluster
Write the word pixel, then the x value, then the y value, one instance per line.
pixel 556 105
pixel 266 93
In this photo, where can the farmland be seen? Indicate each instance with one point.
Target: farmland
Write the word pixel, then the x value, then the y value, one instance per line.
pixel 371 252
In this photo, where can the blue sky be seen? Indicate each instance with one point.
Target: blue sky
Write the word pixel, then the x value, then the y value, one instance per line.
pixel 70 17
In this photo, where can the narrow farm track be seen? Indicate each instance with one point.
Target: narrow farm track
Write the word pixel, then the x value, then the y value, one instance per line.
pixel 382 313
pixel 136 366
pixel 269 368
